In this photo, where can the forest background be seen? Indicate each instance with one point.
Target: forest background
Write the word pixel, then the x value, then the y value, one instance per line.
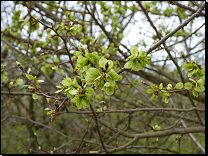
pixel 103 77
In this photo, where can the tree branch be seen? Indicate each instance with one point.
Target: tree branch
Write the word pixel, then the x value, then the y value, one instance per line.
pixel 176 29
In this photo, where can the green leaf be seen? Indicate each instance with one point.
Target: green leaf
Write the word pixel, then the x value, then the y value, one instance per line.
pixel 59 86
pixel 161 86
pixel 187 66
pixel 73 92
pixel 75 99
pixel 47 109
pixel 200 82
pixel 134 50
pixel 50 112
pixel 24 87
pixel 142 53
pixel 90 90
pixel 107 84
pixel 109 91
pixel 129 64
pixel 112 82
pixel 165 99
pixel 55 67
pixel 199 88
pixel 34 96
pixel 91 74
pixel 157 127
pixel 192 80
pixel 30 77
pixel 102 62
pixel 150 91
pixel 18 63
pixel 195 93
pixel 192 73
pixel 58 91
pixel 67 82
pixel 114 75
pixel 179 85
pixel 83 102
pixel 169 86
pixel 188 85
pixel 40 81
pixel 59 71
pixel 95 56
pixel 153 86
pixel 78 104
pixel 19 81
pixel 11 83
pixel 29 70
pixel 137 66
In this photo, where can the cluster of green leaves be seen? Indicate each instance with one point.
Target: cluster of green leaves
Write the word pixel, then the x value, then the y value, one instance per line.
pixel 77 91
pixel 156 128
pixel 105 52
pixel 4 77
pixel 137 60
pixel 156 90
pixel 34 24
pixel 16 22
pixel 168 11
pixel 105 78
pixel 197 71
pixel 85 60
pixel 15 82
pixel 196 86
pixel 31 88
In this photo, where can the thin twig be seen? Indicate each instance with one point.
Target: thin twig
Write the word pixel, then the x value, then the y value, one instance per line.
pixel 193 138
pixel 95 117
pixel 176 29
pixel 118 131
pixel 138 89
pixel 29 10
pixel 83 136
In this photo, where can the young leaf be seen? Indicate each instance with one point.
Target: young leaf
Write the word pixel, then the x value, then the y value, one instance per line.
pixel 59 86
pixel 129 64
pixel 102 62
pixel 134 51
pixel 165 99
pixel 90 90
pixel 19 81
pixel 29 70
pixel 150 91
pixel 199 88
pixel 137 66
pixel 24 87
pixel 153 86
pixel 187 66
pixel 73 92
pixel 83 102
pixel 30 77
pixel 161 86
pixel 179 85
pixel 58 91
pixel 195 93
pixel 67 82
pixel 91 74
pixel 47 109
pixel 169 86
pixel 188 85
pixel 50 112
pixel 34 96
pixel 142 53
pixel 40 81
